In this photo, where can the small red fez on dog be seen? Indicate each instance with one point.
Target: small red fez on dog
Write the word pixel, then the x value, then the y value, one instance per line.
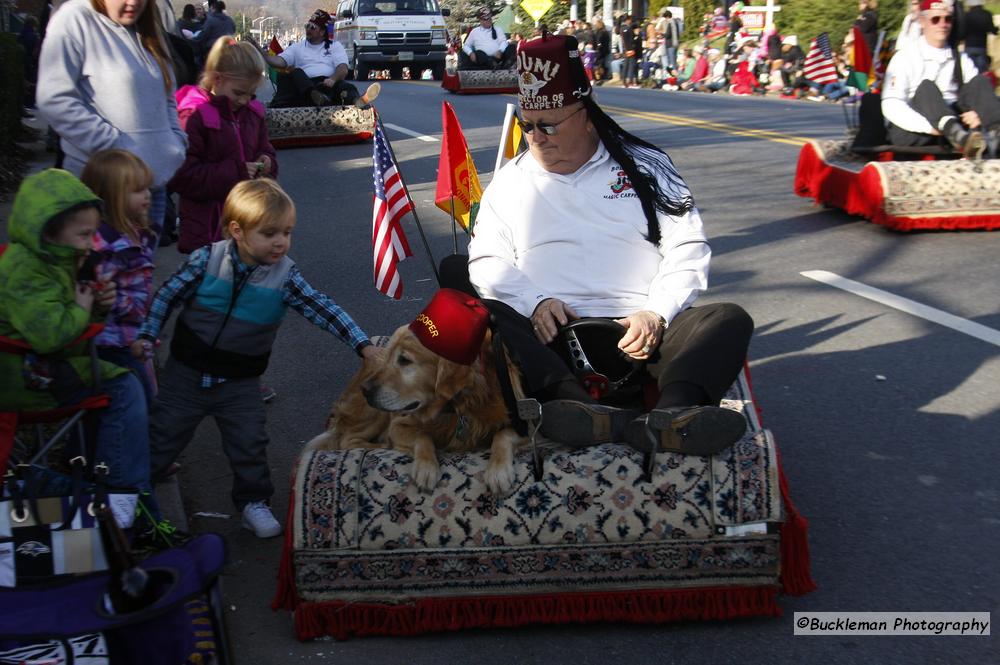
pixel 549 73
pixel 320 18
pixel 453 325
pixel 929 5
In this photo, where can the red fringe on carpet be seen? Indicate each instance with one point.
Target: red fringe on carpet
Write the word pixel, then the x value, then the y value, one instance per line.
pixel 796 575
pixel 343 619
pixel 862 194
pixel 286 597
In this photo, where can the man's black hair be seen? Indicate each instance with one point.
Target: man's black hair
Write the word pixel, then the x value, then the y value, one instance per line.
pixel 655 179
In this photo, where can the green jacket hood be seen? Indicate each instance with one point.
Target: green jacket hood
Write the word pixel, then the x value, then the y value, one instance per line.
pixel 41 197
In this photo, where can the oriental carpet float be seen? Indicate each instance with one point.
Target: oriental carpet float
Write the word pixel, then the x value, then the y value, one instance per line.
pixel 327 125
pixel 593 540
pixel 922 194
pixel 480 81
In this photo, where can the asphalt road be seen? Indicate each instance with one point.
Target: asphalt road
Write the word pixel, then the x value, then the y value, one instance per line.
pixel 898 477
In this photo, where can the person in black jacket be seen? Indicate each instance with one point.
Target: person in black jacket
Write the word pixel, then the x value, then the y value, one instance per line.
pixel 867 24
pixel 978 23
pixel 602 41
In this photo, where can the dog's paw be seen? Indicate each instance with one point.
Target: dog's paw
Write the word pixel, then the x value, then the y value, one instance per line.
pixel 500 478
pixel 426 474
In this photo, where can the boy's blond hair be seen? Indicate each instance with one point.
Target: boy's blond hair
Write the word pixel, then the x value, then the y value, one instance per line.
pixel 113 175
pixel 251 203
pixel 238 60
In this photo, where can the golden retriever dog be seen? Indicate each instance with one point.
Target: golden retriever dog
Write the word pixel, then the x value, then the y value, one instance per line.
pixel 418 402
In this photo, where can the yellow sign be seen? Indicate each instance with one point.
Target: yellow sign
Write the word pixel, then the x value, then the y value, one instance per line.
pixel 536 8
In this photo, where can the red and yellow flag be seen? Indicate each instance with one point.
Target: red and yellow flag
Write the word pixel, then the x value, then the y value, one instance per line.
pixel 457 178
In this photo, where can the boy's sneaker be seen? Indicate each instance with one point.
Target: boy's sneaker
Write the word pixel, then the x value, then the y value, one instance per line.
pixel 267 393
pixel 258 518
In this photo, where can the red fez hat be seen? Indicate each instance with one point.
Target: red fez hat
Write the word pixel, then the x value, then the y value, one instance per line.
pixel 320 18
pixel 549 73
pixel 453 325
pixel 928 5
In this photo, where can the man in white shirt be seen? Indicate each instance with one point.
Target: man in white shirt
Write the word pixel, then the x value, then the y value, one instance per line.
pixel 575 228
pixel 487 47
pixel 319 70
pixel 932 92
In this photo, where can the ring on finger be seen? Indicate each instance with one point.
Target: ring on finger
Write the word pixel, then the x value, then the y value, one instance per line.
pixel 646 349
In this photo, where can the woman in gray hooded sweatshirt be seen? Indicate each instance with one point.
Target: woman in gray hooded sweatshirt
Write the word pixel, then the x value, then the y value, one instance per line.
pixel 105 82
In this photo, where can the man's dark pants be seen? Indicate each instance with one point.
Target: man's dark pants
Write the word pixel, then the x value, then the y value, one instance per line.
pixel 484 61
pixel 703 346
pixel 294 88
pixel 976 95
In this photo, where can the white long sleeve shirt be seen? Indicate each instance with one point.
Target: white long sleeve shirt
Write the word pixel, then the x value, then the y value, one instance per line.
pixel 481 39
pixel 907 69
pixel 580 238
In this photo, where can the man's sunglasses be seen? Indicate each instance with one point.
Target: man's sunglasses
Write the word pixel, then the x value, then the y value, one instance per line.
pixel 941 17
pixel 547 128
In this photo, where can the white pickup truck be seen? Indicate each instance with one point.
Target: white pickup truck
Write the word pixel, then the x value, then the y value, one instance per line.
pixel 393 34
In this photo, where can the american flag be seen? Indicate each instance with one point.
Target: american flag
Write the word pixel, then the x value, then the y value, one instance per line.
pixel 392 202
pixel 819 65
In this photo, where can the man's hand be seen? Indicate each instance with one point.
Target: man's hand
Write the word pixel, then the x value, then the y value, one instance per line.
pixel 971 120
pixel 498 56
pixel 643 333
pixel 550 315
pixel 328 82
pixel 472 57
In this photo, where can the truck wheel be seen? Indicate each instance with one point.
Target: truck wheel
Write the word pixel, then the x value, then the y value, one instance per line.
pixel 416 73
pixel 437 69
pixel 395 72
pixel 361 70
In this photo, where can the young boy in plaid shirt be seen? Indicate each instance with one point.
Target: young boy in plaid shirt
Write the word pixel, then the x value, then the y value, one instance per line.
pixel 234 294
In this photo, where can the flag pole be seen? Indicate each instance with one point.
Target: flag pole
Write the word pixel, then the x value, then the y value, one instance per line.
pixel 413 211
pixel 878 48
pixel 454 224
pixel 504 133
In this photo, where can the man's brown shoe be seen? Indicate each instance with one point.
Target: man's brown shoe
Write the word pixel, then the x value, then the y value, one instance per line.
pixel 365 100
pixel 698 430
pixel 584 424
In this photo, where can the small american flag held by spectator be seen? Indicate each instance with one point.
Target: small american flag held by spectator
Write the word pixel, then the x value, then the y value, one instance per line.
pixel 819 65
pixel 392 202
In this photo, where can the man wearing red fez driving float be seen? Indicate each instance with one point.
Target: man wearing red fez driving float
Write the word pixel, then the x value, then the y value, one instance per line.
pixel 592 221
pixel 319 70
pixel 934 93
pixel 487 46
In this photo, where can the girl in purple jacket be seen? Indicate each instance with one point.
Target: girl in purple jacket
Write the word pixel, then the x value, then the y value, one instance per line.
pixel 227 139
pixel 123 253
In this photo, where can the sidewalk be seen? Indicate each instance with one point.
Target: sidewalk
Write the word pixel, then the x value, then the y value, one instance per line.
pixel 167 493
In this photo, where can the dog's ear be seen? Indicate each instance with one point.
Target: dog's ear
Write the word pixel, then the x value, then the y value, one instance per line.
pixel 452 378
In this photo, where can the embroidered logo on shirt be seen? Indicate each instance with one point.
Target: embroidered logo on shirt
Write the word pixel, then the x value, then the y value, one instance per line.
pixel 621 186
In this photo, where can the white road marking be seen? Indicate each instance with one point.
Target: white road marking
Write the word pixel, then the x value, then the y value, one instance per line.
pixel 931 314
pixel 410 132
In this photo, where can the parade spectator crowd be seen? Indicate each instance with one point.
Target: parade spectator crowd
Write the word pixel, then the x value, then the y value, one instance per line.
pixel 650 53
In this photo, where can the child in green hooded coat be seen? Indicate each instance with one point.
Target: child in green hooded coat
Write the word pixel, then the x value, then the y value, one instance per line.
pixel 45 303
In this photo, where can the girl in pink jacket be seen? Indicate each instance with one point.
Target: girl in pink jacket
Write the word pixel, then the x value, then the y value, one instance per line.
pixel 227 139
